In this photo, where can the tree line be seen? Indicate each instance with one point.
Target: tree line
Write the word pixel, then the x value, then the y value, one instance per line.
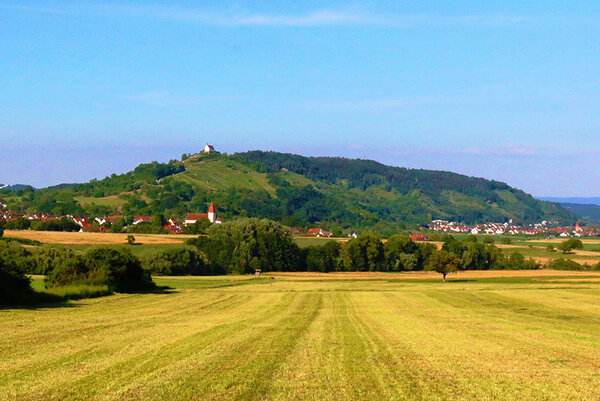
pixel 115 269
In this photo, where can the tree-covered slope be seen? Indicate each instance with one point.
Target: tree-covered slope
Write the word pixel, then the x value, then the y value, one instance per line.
pixel 295 190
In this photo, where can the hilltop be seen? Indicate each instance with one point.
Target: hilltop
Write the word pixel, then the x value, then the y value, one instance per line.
pixel 295 190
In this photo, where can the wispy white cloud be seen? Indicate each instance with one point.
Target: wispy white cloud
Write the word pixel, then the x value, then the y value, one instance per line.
pixel 165 98
pixel 322 17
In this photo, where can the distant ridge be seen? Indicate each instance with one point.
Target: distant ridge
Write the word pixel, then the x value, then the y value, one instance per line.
pixel 581 201
pixel 298 191
pixel 14 187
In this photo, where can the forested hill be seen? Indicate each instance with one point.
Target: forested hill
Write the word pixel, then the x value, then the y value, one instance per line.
pixel 295 190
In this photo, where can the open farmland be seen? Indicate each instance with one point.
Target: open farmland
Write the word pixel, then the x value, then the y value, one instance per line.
pixel 490 335
pixel 69 238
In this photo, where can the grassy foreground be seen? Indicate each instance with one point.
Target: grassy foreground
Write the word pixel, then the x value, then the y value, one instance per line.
pixel 292 338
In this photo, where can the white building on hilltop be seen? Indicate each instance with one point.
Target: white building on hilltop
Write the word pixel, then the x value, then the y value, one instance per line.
pixel 208 148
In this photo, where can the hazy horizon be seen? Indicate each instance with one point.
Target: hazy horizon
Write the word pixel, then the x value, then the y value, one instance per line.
pixel 500 90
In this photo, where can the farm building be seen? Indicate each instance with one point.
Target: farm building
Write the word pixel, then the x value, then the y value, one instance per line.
pixel 419 237
pixel 319 233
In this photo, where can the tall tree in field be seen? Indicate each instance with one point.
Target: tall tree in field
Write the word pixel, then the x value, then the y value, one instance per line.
pixel 444 262
pixel 570 244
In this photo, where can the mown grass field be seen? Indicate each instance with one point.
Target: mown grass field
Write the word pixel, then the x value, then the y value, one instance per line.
pixel 298 337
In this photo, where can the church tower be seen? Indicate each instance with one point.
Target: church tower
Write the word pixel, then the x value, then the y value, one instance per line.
pixel 212 216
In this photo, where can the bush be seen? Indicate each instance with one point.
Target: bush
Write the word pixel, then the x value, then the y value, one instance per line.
pixel 17 224
pixel 566 264
pixel 62 224
pixel 79 291
pixel 48 257
pixel 14 284
pixel 488 239
pixel 118 269
pixel 516 261
pixel 177 262
pixel 17 257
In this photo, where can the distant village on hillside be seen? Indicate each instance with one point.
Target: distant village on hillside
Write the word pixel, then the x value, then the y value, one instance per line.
pixel 179 226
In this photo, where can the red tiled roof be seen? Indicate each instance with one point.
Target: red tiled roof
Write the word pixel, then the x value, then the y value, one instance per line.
pixel 112 218
pixel 196 216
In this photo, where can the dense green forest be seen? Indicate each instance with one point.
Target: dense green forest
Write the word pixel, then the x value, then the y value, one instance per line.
pixel 338 193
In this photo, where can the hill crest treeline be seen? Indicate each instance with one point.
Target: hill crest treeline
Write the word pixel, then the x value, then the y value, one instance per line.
pixel 295 190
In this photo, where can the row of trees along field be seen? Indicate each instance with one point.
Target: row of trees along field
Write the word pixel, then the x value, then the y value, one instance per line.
pixel 241 247
pixel 245 245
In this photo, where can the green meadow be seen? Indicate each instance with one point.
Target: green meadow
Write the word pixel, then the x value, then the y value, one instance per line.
pixel 303 338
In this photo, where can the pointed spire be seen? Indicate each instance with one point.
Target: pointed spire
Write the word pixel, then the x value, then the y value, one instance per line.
pixel 211 208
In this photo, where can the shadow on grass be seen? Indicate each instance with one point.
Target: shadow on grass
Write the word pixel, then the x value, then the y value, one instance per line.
pixel 36 300
pixel 44 300
pixel 164 289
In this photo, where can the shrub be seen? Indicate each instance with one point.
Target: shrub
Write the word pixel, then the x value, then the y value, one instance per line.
pixel 488 239
pixel 176 262
pixel 566 264
pixel 118 269
pixel 49 257
pixel 62 224
pixel 17 257
pixel 79 291
pixel 516 261
pixel 14 284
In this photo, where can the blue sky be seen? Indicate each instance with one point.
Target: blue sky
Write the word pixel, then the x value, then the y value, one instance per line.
pixel 508 90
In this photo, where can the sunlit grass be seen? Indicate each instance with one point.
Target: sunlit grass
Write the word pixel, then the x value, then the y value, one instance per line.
pixel 283 338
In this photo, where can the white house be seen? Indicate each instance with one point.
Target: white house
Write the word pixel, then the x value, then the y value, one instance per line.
pixel 208 148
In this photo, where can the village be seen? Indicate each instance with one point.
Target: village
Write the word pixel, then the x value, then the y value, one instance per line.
pixel 508 228
pixel 180 226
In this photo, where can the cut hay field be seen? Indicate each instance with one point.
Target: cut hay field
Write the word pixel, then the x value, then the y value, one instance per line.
pixel 289 338
pixel 68 238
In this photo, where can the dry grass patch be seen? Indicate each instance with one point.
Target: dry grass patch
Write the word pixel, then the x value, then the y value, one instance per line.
pixel 68 238
pixel 324 340
pixel 427 275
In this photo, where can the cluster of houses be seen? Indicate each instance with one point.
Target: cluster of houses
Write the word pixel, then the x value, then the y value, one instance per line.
pixel 545 227
pixel 173 225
